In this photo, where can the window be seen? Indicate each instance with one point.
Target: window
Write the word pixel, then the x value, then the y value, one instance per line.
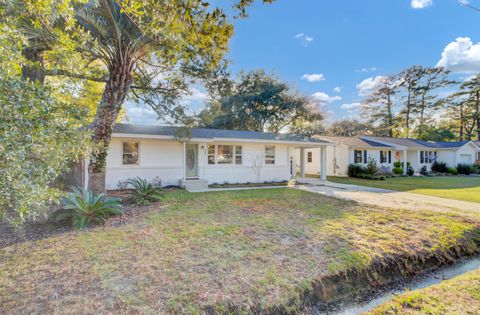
pixel 309 157
pixel 238 155
pixel 428 157
pixel 385 156
pixel 211 154
pixel 358 156
pixel 130 153
pixel 224 154
pixel 269 155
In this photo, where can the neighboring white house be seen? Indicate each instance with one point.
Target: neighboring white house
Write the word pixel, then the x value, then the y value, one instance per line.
pixel 205 156
pixel 385 151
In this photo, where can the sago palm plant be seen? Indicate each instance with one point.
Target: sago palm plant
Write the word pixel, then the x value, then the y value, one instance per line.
pixel 83 208
pixel 143 192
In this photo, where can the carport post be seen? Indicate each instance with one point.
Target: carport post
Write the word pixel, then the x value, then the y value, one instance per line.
pixel 404 162
pixel 323 163
pixel 302 162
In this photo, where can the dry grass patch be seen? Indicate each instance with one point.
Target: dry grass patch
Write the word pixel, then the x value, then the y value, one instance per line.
pixel 247 251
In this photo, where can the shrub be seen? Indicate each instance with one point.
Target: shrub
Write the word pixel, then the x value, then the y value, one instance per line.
pixel 122 184
pixel 355 170
pixel 143 192
pixel 439 167
pixel 410 170
pixel 397 164
pixel 424 170
pixel 452 171
pixel 83 208
pixel 157 182
pixel 465 169
pixel 371 168
pixel 398 170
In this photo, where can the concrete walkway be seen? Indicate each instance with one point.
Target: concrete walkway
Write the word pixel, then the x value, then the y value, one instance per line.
pixel 389 198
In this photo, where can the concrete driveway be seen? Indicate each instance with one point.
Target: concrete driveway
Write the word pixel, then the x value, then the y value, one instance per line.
pixel 388 198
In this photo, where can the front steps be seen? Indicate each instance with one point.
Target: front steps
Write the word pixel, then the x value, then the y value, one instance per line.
pixel 194 185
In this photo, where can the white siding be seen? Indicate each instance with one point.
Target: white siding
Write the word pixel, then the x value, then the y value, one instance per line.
pixel 164 159
pixel 245 173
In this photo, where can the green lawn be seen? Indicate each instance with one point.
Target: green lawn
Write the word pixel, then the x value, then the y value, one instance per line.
pixel 249 251
pixel 460 295
pixel 465 188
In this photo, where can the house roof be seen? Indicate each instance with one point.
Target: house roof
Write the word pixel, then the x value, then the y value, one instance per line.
pixel 355 142
pixel 416 143
pixel 205 133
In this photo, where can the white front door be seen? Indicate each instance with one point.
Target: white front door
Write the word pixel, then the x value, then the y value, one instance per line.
pixel 191 161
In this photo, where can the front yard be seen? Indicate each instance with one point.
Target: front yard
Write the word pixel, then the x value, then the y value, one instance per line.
pixel 246 251
pixel 466 188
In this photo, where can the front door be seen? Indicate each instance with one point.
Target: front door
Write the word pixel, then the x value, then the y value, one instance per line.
pixel 191 161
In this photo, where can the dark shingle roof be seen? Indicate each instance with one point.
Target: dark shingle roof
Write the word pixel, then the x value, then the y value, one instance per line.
pixel 355 142
pixel 205 133
pixel 416 143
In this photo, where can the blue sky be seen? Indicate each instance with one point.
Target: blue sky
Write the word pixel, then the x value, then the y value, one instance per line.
pixel 326 49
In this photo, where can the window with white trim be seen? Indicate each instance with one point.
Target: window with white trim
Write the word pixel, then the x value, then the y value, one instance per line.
pixel 270 155
pixel 211 154
pixel 224 154
pixel 360 156
pixel 130 153
pixel 385 156
pixel 428 157
pixel 238 155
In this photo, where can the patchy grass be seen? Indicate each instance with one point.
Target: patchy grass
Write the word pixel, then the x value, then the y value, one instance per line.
pixel 466 188
pixel 249 251
pixel 460 295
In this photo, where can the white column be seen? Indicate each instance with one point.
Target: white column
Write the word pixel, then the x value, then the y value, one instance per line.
pixel 302 163
pixel 405 160
pixel 184 158
pixel 323 163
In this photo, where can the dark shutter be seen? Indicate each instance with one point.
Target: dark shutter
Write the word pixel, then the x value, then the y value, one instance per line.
pixel 422 160
pixel 365 156
pixel 389 156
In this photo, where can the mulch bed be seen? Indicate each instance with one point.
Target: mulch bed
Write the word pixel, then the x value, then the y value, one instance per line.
pixel 30 231
pixel 33 231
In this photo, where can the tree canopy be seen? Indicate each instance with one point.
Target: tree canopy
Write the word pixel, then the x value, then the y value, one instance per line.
pixel 260 102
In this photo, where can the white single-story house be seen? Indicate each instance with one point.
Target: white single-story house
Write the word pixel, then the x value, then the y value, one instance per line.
pixel 205 156
pixel 386 151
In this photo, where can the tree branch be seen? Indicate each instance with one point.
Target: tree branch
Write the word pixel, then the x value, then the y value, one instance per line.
pixel 74 75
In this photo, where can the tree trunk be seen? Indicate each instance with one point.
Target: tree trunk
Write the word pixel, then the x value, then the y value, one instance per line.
pixel 477 113
pixel 407 114
pixel 461 123
pixel 33 69
pixel 113 97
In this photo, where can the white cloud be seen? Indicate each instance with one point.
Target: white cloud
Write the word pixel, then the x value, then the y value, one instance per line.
pixel 195 95
pixel 337 89
pixel 366 70
pixel 350 106
pixel 304 38
pixel 365 87
pixel 324 98
pixel 461 56
pixel 313 77
pixel 141 115
pixel 420 4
